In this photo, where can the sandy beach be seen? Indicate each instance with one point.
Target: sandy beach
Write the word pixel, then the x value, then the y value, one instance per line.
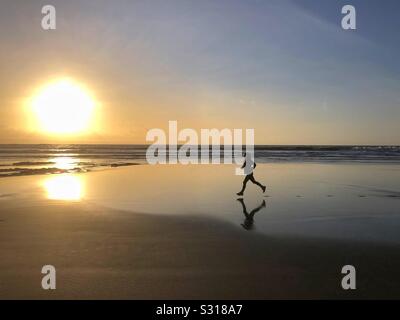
pixel 135 244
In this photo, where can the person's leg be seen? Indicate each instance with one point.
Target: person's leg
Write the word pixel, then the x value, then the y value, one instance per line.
pixel 245 180
pixel 257 183
pixel 243 207
pixel 254 211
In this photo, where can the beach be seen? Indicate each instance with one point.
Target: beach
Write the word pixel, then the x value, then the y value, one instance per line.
pixel 178 232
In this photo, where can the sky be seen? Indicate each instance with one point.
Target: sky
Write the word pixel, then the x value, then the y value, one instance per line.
pixel 285 68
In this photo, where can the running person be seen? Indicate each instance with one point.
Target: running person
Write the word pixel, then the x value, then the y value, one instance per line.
pixel 249 165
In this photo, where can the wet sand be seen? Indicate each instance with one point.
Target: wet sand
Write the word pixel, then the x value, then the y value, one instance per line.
pixel 101 252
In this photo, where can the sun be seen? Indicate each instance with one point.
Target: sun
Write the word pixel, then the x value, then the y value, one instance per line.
pixel 63 107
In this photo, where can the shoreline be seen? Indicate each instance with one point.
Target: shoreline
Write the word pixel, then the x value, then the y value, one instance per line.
pixel 23 172
pixel 35 159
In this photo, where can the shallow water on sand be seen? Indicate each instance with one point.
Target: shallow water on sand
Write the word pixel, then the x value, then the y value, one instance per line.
pixel 339 201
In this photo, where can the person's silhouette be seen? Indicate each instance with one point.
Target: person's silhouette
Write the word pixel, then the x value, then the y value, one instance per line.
pixel 249 165
pixel 248 222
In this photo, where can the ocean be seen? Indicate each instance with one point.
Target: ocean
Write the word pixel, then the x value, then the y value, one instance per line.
pixel 32 159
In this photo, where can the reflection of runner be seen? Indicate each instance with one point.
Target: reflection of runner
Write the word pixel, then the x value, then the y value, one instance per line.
pixel 248 222
pixel 249 165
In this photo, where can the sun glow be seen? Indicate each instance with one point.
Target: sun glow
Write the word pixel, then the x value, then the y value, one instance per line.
pixel 63 107
pixel 65 163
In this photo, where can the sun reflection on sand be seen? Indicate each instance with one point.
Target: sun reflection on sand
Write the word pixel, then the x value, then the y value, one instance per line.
pixel 64 187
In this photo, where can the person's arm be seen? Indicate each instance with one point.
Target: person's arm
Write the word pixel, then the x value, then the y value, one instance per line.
pixel 244 165
pixel 255 165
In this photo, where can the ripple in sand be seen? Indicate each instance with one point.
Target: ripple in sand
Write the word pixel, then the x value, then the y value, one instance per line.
pixel 6 195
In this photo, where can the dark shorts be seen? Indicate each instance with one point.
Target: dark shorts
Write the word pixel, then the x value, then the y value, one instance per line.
pixel 249 177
